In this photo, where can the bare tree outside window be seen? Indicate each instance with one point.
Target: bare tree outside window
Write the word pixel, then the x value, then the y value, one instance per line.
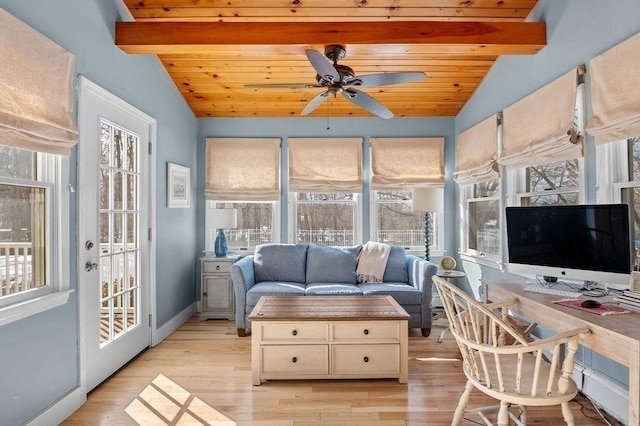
pixel 22 223
pixel 325 218
pixel 484 218
pixel 553 176
pixel 397 223
pixel 631 197
pixel 255 223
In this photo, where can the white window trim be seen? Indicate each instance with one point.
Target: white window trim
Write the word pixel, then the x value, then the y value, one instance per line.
pixel 58 247
pixel 293 215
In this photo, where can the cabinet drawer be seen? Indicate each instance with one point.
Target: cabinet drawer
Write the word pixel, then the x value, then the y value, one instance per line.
pixel 298 359
pixel 214 266
pixel 366 359
pixel 294 331
pixel 362 330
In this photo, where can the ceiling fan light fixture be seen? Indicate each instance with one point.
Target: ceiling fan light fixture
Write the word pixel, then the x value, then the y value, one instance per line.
pixel 336 78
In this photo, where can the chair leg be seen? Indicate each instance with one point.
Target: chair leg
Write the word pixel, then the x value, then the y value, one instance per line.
pixel 462 404
pixel 567 414
pixel 503 414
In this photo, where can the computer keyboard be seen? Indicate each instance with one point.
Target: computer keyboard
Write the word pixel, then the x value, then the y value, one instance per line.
pixel 548 290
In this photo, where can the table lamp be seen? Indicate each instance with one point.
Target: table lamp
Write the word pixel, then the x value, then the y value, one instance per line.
pixel 220 219
pixel 428 200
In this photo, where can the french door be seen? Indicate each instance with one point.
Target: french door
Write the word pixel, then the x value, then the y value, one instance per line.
pixel 114 267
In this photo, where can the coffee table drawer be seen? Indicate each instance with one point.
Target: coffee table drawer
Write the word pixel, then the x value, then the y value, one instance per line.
pixel 363 330
pixel 295 331
pixel 295 359
pixel 366 359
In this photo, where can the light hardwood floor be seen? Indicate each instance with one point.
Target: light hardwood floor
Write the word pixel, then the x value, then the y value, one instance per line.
pixel 201 374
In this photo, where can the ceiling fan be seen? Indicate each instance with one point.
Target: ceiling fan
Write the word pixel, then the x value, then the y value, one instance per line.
pixel 340 79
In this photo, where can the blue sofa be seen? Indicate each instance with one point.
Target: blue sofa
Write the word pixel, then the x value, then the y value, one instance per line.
pixel 311 270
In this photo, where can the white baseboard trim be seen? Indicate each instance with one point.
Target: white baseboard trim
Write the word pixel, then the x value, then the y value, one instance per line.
pixel 607 394
pixel 63 408
pixel 174 323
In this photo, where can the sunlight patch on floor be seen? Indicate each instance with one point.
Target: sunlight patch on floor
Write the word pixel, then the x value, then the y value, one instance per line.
pixel 165 402
pixel 438 359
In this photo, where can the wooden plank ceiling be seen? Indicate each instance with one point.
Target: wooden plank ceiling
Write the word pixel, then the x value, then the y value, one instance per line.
pixel 212 48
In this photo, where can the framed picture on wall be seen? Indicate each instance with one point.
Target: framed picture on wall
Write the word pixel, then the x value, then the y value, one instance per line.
pixel 178 186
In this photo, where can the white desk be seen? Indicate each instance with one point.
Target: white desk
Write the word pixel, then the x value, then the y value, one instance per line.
pixel 614 336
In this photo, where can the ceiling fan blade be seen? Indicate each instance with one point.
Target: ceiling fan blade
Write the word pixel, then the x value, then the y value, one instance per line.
pixel 323 67
pixel 386 79
pixel 281 86
pixel 314 103
pixel 367 102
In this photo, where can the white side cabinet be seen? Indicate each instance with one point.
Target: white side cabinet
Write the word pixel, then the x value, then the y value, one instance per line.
pixel 216 288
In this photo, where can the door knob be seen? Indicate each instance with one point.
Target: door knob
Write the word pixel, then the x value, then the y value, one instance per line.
pixel 90 266
pixel 88 245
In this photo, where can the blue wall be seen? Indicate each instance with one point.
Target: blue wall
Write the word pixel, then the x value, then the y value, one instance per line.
pixel 39 354
pixel 577 30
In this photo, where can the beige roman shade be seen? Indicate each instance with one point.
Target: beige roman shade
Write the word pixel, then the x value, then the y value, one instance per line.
pixel 615 93
pixel 476 153
pixel 36 90
pixel 242 169
pixel 325 164
pixel 404 163
pixel 540 128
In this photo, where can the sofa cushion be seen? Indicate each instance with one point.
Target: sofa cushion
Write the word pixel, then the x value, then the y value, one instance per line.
pixel 332 264
pixel 330 289
pixel 273 288
pixel 280 262
pixel 403 293
pixel 396 270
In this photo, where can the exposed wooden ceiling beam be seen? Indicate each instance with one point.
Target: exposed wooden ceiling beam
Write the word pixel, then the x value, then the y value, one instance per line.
pixel 182 37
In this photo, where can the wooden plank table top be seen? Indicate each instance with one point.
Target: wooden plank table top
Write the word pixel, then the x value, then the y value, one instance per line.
pixel 323 308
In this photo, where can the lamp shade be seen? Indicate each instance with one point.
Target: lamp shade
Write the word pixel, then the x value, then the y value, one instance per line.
pixel 428 200
pixel 222 218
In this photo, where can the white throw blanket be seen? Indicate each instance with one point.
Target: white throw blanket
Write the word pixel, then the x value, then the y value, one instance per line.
pixel 372 261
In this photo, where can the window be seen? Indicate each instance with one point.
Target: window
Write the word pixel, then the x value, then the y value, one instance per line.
pixel 327 219
pixel 628 190
pixel 257 223
pixel 550 184
pixel 394 222
pixel 482 205
pixel 31 213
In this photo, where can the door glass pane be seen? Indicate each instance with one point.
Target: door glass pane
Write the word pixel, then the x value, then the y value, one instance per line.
pixel 119 229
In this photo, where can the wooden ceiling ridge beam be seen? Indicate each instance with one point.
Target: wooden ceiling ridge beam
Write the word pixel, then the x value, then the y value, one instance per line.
pixel 175 37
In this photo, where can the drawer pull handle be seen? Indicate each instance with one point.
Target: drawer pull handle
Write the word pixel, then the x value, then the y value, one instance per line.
pixel 294 333
pixel 294 359
pixel 217 267
pixel 366 331
pixel 366 359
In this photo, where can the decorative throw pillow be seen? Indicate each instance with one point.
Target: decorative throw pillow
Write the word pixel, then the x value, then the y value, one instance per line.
pixel 331 264
pixel 280 262
pixel 396 270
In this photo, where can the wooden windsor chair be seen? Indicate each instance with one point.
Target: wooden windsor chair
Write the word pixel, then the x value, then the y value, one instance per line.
pixel 499 360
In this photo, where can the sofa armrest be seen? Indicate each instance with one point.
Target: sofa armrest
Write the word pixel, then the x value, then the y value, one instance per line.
pixel 421 273
pixel 243 279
